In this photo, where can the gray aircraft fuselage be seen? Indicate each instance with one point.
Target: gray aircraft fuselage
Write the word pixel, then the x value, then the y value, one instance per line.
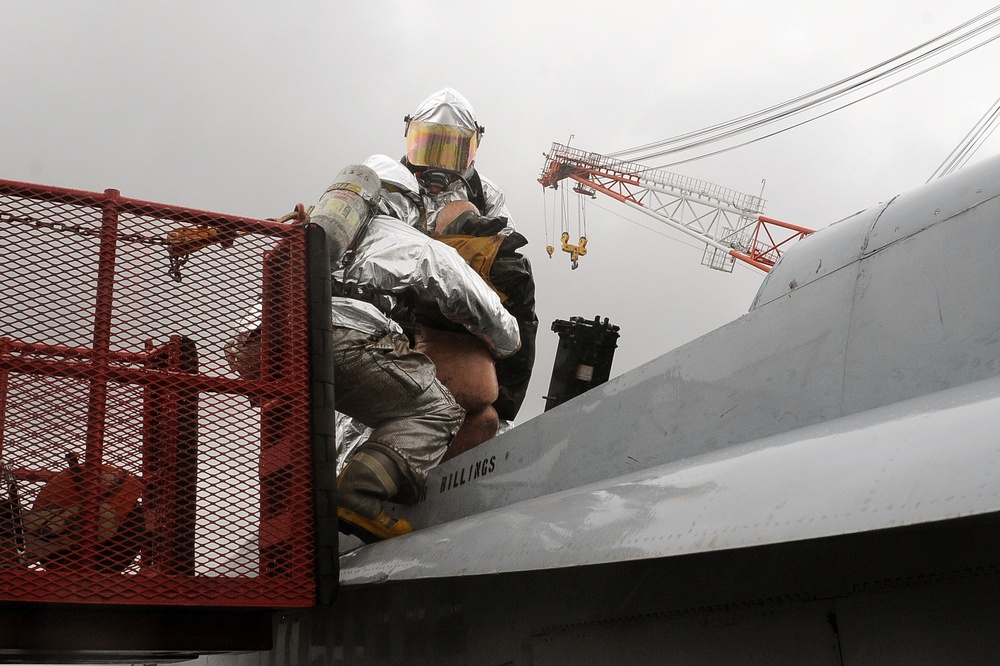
pixel 815 482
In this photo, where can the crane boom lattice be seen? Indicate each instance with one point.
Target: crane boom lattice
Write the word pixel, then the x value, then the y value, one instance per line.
pixel 728 222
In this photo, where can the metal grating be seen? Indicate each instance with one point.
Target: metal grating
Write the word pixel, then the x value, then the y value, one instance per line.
pixel 138 468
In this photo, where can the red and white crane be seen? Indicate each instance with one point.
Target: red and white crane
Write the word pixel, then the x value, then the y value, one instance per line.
pixel 728 222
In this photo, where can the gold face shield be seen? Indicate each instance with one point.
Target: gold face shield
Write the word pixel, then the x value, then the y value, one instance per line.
pixel 439 146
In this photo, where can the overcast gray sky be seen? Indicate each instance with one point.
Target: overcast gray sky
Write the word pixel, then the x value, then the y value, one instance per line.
pixel 250 107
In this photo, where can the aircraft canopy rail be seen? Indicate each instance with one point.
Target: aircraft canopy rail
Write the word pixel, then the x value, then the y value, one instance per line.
pixel 137 467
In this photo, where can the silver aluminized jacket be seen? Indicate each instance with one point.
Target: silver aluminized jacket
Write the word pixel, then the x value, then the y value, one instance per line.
pixel 496 205
pixel 392 260
pixel 494 197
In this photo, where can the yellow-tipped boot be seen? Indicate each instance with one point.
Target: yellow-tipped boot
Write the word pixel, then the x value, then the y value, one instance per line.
pixel 369 478
pixel 370 530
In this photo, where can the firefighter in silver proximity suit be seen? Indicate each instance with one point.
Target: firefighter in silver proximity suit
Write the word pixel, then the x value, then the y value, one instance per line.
pixel 380 266
pixel 380 380
pixel 442 138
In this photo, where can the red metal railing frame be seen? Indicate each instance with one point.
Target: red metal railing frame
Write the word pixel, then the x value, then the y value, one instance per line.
pixel 163 376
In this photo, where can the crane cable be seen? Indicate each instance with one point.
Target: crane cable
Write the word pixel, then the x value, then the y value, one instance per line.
pixel 545 217
pixel 761 118
pixel 562 210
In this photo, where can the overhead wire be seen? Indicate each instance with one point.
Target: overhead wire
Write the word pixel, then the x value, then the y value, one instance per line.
pixel 984 135
pixel 715 128
pixel 818 97
pixel 822 115
pixel 757 114
pixel 970 143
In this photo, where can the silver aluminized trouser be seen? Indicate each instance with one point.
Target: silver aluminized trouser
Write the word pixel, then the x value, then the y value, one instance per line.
pixel 384 384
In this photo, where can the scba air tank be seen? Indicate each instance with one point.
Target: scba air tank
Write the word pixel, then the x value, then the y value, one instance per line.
pixel 346 207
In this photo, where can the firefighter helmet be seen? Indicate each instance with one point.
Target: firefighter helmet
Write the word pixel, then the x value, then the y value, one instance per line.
pixel 443 133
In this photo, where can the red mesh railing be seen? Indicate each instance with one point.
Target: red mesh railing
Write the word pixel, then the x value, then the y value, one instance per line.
pixel 138 467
